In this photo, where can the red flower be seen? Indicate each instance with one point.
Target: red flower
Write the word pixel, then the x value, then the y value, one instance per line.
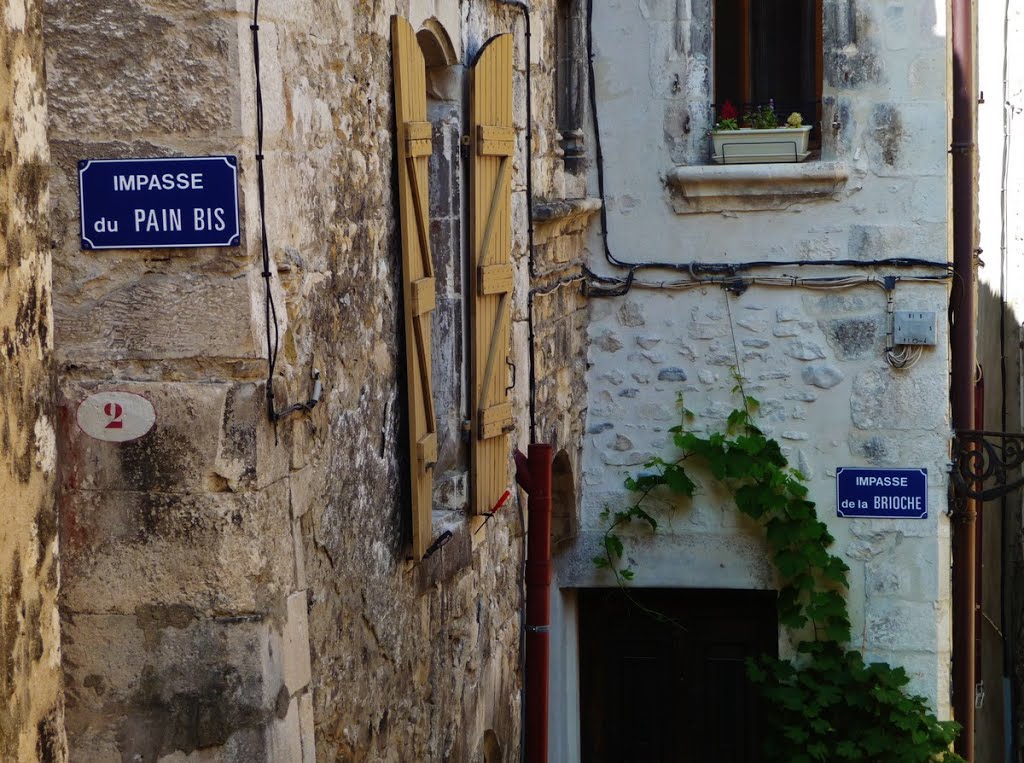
pixel 729 111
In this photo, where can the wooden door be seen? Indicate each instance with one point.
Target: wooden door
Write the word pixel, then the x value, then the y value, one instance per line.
pixel 674 689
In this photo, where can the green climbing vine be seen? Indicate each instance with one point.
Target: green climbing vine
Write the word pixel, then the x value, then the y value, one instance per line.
pixel 827 704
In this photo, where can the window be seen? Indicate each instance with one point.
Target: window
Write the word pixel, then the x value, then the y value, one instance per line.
pixel 769 50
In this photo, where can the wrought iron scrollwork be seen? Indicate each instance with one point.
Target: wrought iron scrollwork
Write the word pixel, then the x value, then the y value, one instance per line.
pixel 992 458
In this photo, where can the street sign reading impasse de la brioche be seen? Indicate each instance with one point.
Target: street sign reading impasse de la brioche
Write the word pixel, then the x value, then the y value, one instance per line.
pixel 882 493
pixel 187 201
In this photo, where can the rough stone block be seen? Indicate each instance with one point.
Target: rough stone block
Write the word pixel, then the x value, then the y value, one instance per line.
pixel 631 314
pixel 207 438
pixel 803 350
pixel 856 337
pixel 286 736
pixel 902 139
pixel 213 553
pixel 153 315
pixel 295 663
pixel 176 681
pixel 824 375
pixel 902 625
pixel 180 453
pixel 876 449
pixel 881 399
pixel 108 86
pixel 673 374
pixel 872 242
pixel 608 342
pixel 894 578
pixel 306 731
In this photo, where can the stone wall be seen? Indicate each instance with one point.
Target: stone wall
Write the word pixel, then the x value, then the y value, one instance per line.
pixel 813 358
pixel 31 707
pixel 256 578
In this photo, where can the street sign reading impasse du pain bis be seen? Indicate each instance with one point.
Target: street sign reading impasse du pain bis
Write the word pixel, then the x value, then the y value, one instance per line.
pixel 159 203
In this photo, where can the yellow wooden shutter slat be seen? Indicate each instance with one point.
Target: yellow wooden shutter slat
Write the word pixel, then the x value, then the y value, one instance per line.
pixel 496 420
pixel 413 149
pixel 424 296
pixel 494 139
pixel 418 139
pixel 494 279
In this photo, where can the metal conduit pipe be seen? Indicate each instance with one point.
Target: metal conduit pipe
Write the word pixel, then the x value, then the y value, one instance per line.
pixel 533 473
pixel 963 350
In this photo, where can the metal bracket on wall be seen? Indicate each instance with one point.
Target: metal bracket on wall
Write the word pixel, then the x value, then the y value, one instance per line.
pixel 981 457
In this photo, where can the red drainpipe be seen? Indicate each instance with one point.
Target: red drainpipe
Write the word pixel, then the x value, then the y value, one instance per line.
pixel 979 509
pixel 533 474
pixel 964 361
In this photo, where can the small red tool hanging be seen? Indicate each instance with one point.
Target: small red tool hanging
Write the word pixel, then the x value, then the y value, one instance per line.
pixel 494 510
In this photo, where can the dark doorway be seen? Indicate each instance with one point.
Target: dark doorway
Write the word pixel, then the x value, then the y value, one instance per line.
pixel 672 689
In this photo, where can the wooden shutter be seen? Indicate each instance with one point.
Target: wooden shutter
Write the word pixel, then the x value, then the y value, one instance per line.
pixel 492 145
pixel 412 154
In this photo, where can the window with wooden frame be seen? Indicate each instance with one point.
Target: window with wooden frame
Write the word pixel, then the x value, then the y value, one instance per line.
pixel 769 51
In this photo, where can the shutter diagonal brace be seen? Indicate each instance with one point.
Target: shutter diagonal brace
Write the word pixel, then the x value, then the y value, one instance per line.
pixel 428 273
pixel 424 237
pixel 492 351
pixel 492 213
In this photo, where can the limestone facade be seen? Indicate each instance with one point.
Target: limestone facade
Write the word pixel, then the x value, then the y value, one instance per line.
pixel 814 358
pixel 256 578
pixel 31 703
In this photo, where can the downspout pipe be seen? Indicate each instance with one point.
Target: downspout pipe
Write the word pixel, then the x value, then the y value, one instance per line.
pixel 963 350
pixel 533 473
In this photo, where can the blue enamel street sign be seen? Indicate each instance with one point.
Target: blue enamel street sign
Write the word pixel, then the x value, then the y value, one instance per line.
pixel 889 493
pixel 159 203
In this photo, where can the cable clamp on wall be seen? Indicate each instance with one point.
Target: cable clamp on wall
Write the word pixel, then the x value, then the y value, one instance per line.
pixel 314 398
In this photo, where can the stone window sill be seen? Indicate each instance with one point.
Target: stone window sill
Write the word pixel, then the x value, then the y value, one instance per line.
pixel 564 211
pixel 739 187
pixel 555 223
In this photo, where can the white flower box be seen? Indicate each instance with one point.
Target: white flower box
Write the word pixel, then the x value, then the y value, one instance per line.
pixel 749 146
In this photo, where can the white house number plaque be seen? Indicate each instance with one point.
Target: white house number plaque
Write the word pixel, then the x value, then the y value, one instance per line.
pixel 116 416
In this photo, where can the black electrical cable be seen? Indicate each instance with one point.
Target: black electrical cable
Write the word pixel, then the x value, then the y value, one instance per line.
pixel 273 334
pixel 270 309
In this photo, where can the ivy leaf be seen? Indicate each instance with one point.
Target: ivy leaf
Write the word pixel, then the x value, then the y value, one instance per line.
pixel 644 481
pixel 847 750
pixel 646 517
pixel 838 632
pixel 613 545
pixel 791 562
pixel 835 570
pixel 678 481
